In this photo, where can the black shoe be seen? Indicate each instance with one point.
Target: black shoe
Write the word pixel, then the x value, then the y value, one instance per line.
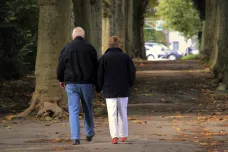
pixel 76 142
pixel 89 138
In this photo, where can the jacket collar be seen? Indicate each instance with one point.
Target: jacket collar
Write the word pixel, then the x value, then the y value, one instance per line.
pixel 114 49
pixel 78 38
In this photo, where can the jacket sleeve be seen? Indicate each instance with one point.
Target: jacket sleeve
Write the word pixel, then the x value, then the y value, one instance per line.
pixel 131 72
pixel 100 74
pixel 61 65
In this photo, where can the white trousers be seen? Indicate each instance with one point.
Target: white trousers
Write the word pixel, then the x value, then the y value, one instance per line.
pixel 117 116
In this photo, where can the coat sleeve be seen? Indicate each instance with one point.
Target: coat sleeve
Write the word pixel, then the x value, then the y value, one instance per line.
pixel 131 72
pixel 100 74
pixel 61 65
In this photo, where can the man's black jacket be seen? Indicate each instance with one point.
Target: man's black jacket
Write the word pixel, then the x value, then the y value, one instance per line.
pixel 78 63
pixel 116 74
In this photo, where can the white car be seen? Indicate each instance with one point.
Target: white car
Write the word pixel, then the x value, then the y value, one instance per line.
pixel 155 51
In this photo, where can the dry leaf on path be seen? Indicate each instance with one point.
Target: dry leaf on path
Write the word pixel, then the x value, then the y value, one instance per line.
pixel 9 117
pixel 57 139
pixel 203 144
pixel 59 149
pixel 178 129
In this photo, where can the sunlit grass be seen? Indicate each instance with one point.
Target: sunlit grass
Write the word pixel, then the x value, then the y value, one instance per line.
pixel 190 57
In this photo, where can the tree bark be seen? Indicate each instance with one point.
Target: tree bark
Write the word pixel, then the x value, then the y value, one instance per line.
pixel 87 14
pixel 102 19
pixel 209 42
pixel 54 32
pixel 139 8
pixel 96 25
pixel 113 22
pixel 221 67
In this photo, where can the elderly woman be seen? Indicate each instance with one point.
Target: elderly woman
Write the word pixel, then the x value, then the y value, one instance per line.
pixel 116 74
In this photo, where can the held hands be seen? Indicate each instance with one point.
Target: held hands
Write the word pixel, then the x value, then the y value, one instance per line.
pixel 62 85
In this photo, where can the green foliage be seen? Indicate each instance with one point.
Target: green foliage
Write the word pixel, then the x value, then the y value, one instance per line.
pixel 155 36
pixel 180 15
pixel 149 35
pixel 190 57
pixel 150 10
pixel 18 37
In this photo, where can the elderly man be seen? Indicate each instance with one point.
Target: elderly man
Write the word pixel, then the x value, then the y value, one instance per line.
pixel 76 73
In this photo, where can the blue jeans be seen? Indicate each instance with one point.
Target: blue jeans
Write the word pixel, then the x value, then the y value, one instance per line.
pixel 85 92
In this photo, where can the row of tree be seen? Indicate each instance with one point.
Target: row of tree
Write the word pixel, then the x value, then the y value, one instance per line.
pixel 208 19
pixel 214 46
pixel 101 19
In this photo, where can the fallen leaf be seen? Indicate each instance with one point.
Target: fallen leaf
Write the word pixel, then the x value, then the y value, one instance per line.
pixel 9 127
pixel 214 143
pixel 48 118
pixel 9 117
pixel 59 149
pixel 178 129
pixel 203 144
pixel 131 118
pixel 57 139
pixel 140 122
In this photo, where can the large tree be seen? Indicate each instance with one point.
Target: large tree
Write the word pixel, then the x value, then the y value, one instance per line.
pixel 54 33
pixel 220 52
pixel 214 39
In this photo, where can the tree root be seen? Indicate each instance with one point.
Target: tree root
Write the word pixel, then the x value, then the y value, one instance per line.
pixel 43 109
pixel 52 110
pixel 25 113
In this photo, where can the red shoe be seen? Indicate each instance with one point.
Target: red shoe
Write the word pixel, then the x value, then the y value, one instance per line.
pixel 123 139
pixel 115 140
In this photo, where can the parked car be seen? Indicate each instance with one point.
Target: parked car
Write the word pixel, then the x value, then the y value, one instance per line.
pixel 193 49
pixel 154 52
pixel 190 50
pixel 159 51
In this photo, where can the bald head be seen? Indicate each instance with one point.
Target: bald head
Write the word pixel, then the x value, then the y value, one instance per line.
pixel 78 31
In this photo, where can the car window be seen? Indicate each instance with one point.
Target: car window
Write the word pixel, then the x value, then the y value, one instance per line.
pixel 150 45
pixel 165 47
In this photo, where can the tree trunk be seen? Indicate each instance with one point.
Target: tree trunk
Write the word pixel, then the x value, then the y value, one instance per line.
pixel 221 67
pixel 129 37
pixel 139 8
pixel 87 14
pixel 209 42
pixel 106 24
pixel 96 25
pixel 113 22
pixel 103 18
pixel 54 32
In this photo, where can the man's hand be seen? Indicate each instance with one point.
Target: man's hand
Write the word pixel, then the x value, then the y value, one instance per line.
pixel 62 85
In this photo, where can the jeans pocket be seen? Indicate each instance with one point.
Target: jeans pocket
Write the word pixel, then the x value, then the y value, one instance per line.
pixel 70 88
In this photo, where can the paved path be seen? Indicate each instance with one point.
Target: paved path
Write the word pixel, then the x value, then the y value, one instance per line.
pixel 166 114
